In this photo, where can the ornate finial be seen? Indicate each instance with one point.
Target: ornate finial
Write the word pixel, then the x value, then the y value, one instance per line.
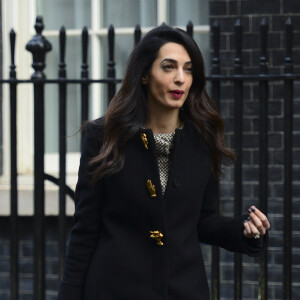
pixel 62 49
pixel 190 28
pixel 288 21
pixel 238 46
pixel 38 46
pixel 39 26
pixel 289 31
pixel 137 34
pixel 263 60
pixel 264 22
pixel 85 42
pixel 12 36
pixel 238 23
pixel 111 45
pixel 111 71
pixel 216 47
pixel 216 23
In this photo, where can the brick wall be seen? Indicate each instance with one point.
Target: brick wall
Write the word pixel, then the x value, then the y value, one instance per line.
pixel 26 258
pixel 251 12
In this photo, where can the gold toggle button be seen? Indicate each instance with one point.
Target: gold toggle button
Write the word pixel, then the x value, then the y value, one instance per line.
pixel 151 188
pixel 145 140
pixel 157 235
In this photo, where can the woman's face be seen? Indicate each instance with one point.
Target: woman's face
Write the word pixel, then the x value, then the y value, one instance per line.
pixel 170 78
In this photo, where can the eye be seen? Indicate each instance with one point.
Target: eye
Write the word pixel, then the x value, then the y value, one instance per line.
pixel 189 70
pixel 168 67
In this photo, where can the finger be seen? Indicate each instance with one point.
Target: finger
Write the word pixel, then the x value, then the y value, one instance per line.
pixel 261 216
pixel 247 235
pixel 254 229
pixel 247 229
pixel 257 223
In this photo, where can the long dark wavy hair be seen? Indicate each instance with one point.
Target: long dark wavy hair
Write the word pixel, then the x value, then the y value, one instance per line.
pixel 128 110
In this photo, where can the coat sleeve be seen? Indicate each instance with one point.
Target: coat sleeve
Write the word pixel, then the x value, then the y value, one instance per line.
pixel 85 232
pixel 225 232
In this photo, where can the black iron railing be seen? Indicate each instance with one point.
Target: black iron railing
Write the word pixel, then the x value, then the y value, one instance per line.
pixel 39 46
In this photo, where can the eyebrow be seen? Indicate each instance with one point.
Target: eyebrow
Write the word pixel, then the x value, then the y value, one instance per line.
pixel 175 61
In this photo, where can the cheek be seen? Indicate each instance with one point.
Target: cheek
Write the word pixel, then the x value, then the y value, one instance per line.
pixel 159 86
pixel 190 82
pixel 189 87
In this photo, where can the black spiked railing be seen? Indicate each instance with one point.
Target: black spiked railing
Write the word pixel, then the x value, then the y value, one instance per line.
pixel 62 149
pixel 84 76
pixel 137 34
pixel 190 29
pixel 62 49
pixel 238 144
pixel 39 46
pixel 14 243
pixel 12 38
pixel 215 92
pixel 263 153
pixel 216 49
pixel 288 161
pixel 111 72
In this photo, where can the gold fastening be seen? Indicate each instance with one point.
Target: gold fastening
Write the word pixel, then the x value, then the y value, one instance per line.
pixel 157 235
pixel 151 188
pixel 145 140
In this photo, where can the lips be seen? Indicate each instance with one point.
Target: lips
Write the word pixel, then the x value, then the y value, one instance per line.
pixel 176 93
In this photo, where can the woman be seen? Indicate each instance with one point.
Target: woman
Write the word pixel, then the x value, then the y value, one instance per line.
pixel 147 188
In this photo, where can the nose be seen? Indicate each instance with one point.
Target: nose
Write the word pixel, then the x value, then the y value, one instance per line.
pixel 179 78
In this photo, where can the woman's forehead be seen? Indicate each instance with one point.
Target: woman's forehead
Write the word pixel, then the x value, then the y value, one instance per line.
pixel 173 51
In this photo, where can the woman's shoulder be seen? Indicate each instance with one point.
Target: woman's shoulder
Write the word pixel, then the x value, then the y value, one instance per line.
pixel 95 128
pixel 197 137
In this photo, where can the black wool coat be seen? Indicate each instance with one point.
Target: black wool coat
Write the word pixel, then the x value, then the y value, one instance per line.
pixel 129 242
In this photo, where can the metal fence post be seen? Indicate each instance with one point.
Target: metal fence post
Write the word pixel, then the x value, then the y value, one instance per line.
pixel 84 75
pixel 14 243
pixel 238 138
pixel 62 151
pixel 263 153
pixel 215 91
pixel 190 29
pixel 111 72
pixel 137 34
pixel 39 46
pixel 288 162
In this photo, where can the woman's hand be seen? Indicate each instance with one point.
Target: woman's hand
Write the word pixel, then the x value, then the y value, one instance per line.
pixel 257 223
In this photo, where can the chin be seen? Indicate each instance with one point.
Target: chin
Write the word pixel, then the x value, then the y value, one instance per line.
pixel 173 106
pixel 176 105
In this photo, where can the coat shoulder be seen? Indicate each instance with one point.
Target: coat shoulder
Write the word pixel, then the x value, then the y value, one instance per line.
pixel 95 129
pixel 198 139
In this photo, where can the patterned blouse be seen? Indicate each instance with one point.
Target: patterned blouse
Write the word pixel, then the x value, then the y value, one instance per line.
pixel 164 143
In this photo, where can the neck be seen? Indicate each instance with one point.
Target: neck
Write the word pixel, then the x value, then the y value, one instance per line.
pixel 163 122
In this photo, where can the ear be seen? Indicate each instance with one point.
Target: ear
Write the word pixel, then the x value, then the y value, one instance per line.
pixel 144 79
